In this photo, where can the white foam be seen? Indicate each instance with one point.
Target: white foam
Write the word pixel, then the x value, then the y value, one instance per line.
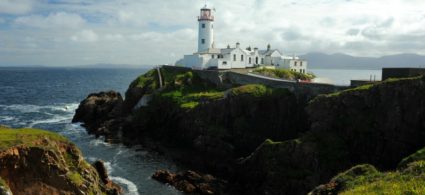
pixel 6 118
pixel 99 141
pixel 108 167
pixel 55 119
pixel 28 108
pixel 130 187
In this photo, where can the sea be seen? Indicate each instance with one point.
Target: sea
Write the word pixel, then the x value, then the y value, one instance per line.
pixel 47 98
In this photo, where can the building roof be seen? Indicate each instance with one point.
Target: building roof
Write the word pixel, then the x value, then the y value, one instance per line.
pixel 267 52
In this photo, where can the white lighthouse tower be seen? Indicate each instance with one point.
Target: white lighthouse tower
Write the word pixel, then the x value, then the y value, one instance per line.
pixel 206 29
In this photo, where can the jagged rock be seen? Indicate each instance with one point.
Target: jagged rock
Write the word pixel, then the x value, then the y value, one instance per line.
pixel 98 108
pixel 100 168
pixel 191 182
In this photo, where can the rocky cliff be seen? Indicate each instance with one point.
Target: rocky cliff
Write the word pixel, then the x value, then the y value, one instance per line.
pixel 40 162
pixel 222 130
pixel 375 124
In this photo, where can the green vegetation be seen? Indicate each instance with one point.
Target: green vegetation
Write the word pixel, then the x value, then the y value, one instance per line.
pixel 365 179
pixel 75 178
pixel 148 80
pixel 284 74
pixel 369 86
pixel 186 89
pixel 417 156
pixel 29 137
pixel 359 88
pixel 403 182
pixel 256 90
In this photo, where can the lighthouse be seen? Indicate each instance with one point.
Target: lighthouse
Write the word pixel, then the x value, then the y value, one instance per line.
pixel 206 29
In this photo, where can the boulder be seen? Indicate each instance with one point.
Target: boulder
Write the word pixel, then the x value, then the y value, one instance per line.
pixel 98 108
pixel 191 182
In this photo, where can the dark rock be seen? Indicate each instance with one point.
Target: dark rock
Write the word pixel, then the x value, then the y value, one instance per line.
pixel 191 182
pixel 164 176
pixel 98 108
pixel 100 168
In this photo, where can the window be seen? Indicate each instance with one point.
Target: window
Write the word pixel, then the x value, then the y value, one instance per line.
pixel 203 25
pixel 203 41
pixel 234 57
pixel 301 63
pixel 224 63
pixel 295 63
pixel 249 60
pixel 241 58
pixel 262 60
pixel 212 56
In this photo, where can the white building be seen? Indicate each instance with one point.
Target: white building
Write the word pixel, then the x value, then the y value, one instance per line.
pixel 208 56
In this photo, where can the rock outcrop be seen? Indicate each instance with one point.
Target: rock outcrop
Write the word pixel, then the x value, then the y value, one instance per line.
pixel 40 162
pixel 191 182
pixel 98 108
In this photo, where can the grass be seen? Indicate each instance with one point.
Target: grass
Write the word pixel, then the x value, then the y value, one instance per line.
pixel 75 178
pixel 365 179
pixel 256 90
pixel 13 137
pixel 284 74
pixel 186 89
pixel 369 86
pixel 390 183
pixel 148 80
pixel 417 156
pixel 359 88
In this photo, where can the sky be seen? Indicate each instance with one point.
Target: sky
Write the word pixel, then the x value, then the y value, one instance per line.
pixel 147 32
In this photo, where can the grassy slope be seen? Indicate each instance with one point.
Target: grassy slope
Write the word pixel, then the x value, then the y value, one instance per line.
pixel 28 137
pixel 410 180
pixel 32 138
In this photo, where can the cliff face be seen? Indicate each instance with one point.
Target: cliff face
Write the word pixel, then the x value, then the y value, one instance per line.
pixel 215 127
pixel 40 162
pixel 379 125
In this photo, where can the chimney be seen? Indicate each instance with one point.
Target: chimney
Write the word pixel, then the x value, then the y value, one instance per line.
pixel 249 48
pixel 237 45
pixel 228 46
pixel 268 47
pixel 255 48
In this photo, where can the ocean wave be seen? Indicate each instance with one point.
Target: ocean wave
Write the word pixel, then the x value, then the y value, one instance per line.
pixel 99 141
pixel 130 187
pixel 29 108
pixel 7 118
pixel 56 119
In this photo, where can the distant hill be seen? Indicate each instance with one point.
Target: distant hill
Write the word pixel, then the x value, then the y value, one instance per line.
pixel 344 61
pixel 113 66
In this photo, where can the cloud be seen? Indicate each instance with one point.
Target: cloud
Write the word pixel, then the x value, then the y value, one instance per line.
pixel 56 20
pixel 156 32
pixel 85 36
pixel 15 7
pixel 353 32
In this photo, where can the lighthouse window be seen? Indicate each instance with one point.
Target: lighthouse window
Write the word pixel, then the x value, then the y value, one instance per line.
pixel 203 41
pixel 241 58
pixel 234 57
pixel 249 60
pixel 203 25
